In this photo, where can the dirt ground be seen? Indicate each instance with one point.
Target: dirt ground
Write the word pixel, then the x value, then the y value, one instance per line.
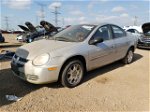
pixel 115 87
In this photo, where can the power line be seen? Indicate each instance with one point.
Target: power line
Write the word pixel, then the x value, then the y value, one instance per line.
pixel 56 13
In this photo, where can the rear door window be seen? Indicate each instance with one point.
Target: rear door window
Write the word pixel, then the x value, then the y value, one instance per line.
pixel 118 32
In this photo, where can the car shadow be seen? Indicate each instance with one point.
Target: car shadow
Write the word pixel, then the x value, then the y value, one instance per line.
pixel 146 49
pixel 11 85
pixel 100 71
pixel 5 59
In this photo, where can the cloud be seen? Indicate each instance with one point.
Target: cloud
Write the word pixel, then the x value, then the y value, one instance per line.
pixel 69 20
pixel 76 13
pixel 124 15
pixel 133 6
pixel 17 4
pixel 121 20
pixel 93 3
pixel 118 9
pixel 73 20
pixel 40 14
pixel 54 4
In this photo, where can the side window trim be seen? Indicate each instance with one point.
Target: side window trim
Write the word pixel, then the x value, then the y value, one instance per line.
pixel 108 26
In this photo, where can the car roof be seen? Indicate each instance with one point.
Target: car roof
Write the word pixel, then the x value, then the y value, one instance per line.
pixel 98 24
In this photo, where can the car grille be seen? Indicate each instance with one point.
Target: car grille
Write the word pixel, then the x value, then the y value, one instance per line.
pixel 144 44
pixel 20 59
pixel 18 62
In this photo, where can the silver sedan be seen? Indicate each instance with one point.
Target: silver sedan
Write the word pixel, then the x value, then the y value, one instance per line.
pixel 66 56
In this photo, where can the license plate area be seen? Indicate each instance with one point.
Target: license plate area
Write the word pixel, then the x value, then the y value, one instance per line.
pixel 15 69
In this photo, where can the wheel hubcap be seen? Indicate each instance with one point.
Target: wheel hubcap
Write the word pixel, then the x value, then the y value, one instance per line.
pixel 130 56
pixel 74 74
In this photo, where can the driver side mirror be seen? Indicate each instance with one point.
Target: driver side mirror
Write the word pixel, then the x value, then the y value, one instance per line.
pixel 96 40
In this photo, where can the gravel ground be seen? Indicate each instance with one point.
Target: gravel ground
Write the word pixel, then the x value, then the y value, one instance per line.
pixel 115 87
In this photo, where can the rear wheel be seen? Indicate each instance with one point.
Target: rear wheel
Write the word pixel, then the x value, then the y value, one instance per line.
pixel 72 73
pixel 129 57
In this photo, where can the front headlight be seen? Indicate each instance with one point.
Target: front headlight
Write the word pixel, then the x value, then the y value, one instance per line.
pixel 41 59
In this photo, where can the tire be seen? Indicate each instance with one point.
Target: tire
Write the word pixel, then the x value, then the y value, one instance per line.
pixel 129 57
pixel 2 39
pixel 72 74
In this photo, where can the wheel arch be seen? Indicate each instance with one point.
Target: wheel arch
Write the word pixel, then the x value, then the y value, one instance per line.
pixel 78 57
pixel 132 47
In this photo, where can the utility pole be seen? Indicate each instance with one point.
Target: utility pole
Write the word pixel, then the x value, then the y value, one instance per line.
pixel 6 19
pixel 56 15
pixel 42 10
pixel 135 20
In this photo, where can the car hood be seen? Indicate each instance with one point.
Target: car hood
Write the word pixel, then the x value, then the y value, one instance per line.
pixel 31 50
pixel 48 26
pixel 146 27
pixel 30 26
pixel 24 28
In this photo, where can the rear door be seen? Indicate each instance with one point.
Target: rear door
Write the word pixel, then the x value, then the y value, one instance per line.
pixel 121 41
pixel 102 53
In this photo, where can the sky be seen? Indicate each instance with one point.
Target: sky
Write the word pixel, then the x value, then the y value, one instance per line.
pixel 120 12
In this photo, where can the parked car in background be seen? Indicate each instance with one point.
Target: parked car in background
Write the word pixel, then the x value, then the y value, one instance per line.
pixel 144 42
pixel 2 39
pixel 35 32
pixel 67 55
pixel 50 29
pixel 134 32
pixel 22 36
pixel 137 28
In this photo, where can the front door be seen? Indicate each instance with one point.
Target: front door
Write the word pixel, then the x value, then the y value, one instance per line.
pixel 101 53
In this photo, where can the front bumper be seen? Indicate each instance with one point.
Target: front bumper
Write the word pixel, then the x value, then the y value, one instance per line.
pixel 34 74
pixel 145 45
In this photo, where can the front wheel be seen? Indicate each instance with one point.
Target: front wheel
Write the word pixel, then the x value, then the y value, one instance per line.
pixel 72 73
pixel 129 57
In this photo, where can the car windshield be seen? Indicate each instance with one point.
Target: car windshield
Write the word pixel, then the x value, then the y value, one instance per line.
pixel 77 33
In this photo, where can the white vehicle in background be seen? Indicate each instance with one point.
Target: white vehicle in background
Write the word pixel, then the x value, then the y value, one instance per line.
pixel 135 30
pixel 21 37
